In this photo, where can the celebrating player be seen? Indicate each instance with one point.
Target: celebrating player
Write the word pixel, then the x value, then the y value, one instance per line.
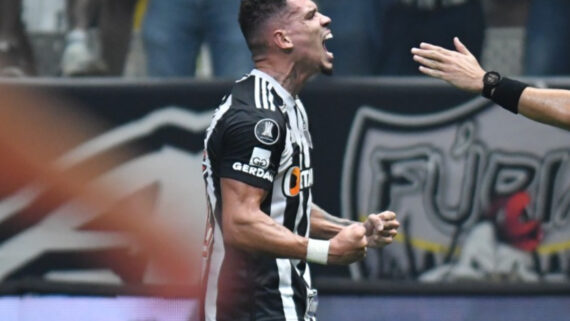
pixel 263 226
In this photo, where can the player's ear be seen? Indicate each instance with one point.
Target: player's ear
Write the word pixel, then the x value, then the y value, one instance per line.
pixel 281 39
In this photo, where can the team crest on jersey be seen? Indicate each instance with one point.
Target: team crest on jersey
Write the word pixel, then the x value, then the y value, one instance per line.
pixel 267 131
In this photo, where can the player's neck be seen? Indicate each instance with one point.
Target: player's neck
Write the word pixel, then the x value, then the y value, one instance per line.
pixel 287 75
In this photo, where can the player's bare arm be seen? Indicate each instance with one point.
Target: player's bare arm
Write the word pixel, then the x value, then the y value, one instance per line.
pixel 248 228
pixel 462 70
pixel 380 228
pixel 324 225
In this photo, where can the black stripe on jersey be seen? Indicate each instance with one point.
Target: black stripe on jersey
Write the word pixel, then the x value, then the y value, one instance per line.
pixel 277 100
pixel 292 202
pixel 266 278
pixel 299 293
pixel 302 228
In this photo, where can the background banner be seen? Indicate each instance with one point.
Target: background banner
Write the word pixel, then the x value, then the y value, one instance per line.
pixel 482 194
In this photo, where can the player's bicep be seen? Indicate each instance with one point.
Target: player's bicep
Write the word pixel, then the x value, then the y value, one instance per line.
pixel 240 207
pixel 240 197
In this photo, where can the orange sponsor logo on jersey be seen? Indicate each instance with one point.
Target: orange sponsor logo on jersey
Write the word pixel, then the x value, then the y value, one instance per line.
pixel 296 180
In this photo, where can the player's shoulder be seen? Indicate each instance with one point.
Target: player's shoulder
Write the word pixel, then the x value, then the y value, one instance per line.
pixel 243 89
pixel 253 92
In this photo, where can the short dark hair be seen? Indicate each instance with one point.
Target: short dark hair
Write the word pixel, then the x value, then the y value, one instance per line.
pixel 253 14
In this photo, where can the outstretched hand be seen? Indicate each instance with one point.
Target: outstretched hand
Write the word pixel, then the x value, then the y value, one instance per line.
pixel 460 68
pixel 381 229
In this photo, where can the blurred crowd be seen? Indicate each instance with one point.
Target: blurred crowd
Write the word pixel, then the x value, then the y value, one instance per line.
pixel 371 37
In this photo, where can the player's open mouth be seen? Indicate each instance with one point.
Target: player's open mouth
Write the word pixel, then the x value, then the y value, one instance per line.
pixel 329 36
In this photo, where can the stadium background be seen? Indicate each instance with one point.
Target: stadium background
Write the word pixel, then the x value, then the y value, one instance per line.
pixel 379 142
pixel 462 259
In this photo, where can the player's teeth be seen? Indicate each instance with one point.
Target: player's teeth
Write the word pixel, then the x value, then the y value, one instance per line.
pixel 329 36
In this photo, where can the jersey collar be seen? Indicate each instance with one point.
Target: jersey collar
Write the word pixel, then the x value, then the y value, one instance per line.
pixel 288 99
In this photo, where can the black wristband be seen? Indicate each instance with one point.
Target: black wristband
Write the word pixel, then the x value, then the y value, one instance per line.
pixel 507 94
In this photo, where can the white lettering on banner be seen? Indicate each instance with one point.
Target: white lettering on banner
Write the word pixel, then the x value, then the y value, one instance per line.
pixel 254 171
pixel 445 173
pixel 178 199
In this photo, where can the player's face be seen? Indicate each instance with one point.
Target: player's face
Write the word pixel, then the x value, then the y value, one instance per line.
pixel 308 29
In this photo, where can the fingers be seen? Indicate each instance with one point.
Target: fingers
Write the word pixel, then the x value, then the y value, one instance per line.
pixel 359 234
pixel 389 233
pixel 369 226
pixel 431 72
pixel 359 230
pixel 387 215
pixel 388 219
pixel 391 225
pixel 382 221
pixel 431 61
pixel 382 239
pixel 431 64
pixel 387 240
pixel 385 235
pixel 436 61
pixel 461 47
pixel 429 46
pixel 431 54
pixel 373 224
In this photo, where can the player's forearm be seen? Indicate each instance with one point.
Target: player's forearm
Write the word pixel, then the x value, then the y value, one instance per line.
pixel 257 232
pixel 325 225
pixel 549 106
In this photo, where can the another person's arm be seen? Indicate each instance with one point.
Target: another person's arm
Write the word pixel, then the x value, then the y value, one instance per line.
pixel 461 69
pixel 381 228
pixel 246 227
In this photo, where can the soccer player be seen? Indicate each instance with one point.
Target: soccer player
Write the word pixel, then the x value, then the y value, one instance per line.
pixel 263 227
pixel 462 70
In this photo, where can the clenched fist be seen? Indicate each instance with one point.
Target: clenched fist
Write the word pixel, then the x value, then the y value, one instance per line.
pixel 349 245
pixel 381 228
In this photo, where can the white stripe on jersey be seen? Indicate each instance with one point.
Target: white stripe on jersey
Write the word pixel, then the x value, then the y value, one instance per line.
pixel 263 94
pixel 286 289
pixel 210 183
pixel 218 252
pixel 278 205
pixel 216 259
pixel 286 159
pixel 257 93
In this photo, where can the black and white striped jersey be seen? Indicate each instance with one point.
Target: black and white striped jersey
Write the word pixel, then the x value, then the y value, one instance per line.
pixel 259 136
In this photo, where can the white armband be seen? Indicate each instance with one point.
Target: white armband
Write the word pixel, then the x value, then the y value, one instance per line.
pixel 318 251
